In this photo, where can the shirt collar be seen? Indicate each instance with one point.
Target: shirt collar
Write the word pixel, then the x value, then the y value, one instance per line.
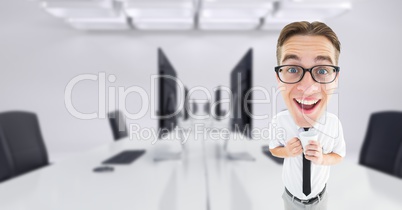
pixel 316 126
pixel 301 129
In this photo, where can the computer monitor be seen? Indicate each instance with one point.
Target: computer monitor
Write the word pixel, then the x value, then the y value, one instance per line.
pixel 240 84
pixel 186 104
pixel 167 94
pixel 218 108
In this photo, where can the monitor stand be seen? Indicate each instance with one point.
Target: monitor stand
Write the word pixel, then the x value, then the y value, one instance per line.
pixel 172 155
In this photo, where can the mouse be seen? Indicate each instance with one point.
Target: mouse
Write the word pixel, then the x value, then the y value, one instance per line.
pixel 104 169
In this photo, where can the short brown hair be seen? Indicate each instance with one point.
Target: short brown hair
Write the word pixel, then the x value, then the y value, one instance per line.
pixel 306 28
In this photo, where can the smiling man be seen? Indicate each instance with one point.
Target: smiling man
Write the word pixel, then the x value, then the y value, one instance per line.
pixel 307 74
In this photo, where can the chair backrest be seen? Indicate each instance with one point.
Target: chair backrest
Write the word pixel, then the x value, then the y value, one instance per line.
pixel 382 144
pixel 23 136
pixel 118 124
pixel 6 164
pixel 398 163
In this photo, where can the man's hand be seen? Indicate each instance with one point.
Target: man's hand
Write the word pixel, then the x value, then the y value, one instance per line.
pixel 314 152
pixel 293 147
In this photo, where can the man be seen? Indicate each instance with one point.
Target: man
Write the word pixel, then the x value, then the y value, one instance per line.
pixel 307 74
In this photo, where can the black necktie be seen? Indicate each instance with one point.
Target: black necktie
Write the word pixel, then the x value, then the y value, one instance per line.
pixel 306 174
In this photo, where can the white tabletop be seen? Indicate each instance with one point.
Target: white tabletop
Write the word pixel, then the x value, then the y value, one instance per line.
pixel 204 178
pixel 144 184
pixel 258 184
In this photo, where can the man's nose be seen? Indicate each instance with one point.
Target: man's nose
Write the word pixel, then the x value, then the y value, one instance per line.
pixel 308 85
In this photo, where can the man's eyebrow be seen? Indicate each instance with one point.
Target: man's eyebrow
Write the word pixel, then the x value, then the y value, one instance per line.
pixel 290 56
pixel 323 58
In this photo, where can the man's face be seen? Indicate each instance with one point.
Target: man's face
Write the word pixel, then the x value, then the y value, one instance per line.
pixel 307 51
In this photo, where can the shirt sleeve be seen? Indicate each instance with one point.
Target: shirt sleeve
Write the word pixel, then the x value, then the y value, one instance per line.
pixel 339 145
pixel 274 141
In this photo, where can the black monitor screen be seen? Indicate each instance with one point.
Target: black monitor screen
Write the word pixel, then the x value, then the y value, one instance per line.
pixel 240 84
pixel 186 105
pixel 218 112
pixel 167 94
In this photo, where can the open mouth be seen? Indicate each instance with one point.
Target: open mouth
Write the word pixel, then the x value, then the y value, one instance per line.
pixel 307 106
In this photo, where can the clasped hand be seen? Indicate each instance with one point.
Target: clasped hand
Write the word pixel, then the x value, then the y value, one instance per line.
pixel 313 150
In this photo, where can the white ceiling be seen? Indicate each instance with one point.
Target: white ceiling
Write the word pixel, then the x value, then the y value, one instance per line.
pixel 191 14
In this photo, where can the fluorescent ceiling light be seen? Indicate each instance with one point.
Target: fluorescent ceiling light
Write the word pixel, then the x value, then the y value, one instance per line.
pixel 163 23
pixel 119 23
pixel 307 10
pixel 81 8
pixel 236 9
pixel 161 14
pixel 159 8
pixel 234 14
pixel 310 10
pixel 229 24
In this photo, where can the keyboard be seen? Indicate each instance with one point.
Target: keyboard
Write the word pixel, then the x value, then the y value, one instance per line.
pixel 125 157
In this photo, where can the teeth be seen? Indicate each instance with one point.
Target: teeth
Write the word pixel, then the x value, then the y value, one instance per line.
pixel 307 102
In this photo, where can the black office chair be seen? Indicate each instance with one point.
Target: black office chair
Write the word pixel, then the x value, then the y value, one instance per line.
pixel 382 147
pixel 24 140
pixel 118 124
pixel 6 164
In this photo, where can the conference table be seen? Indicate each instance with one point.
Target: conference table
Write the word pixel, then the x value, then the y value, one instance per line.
pixel 203 178
pixel 144 184
pixel 257 184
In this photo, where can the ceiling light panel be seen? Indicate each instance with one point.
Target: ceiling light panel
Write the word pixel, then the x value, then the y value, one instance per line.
pixel 161 14
pixel 100 24
pixel 310 9
pixel 234 14
pixel 229 24
pixel 235 8
pixel 159 8
pixel 81 8
pixel 163 24
pixel 307 10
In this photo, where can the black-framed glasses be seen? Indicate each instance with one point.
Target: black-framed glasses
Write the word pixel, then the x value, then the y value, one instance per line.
pixel 291 74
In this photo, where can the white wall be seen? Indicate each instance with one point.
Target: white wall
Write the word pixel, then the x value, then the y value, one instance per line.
pixel 39 55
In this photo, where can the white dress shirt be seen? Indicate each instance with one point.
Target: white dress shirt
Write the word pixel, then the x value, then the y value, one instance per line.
pixel 330 136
